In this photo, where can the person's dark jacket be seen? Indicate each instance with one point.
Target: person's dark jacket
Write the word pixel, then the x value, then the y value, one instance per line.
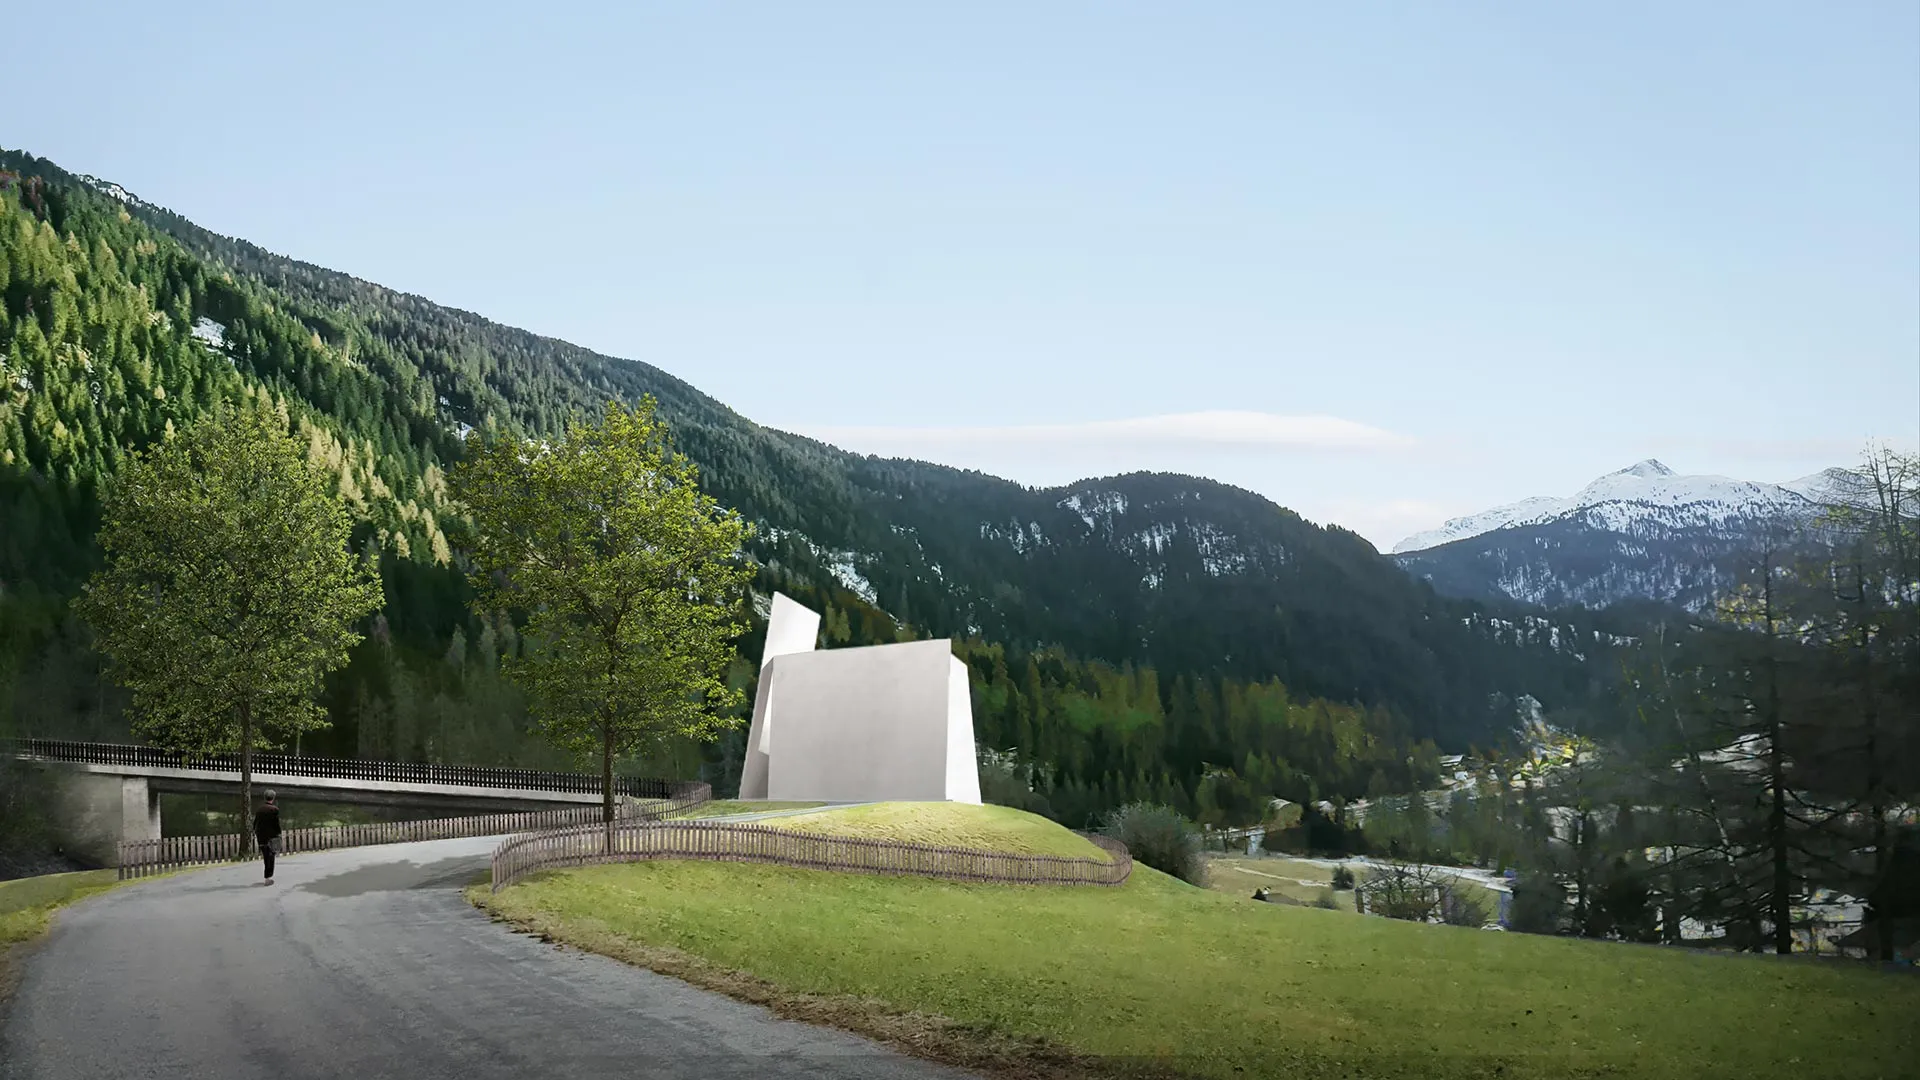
pixel 266 823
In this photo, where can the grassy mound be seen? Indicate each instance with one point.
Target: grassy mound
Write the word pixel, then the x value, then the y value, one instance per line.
pixel 961 825
pixel 1158 978
pixel 726 807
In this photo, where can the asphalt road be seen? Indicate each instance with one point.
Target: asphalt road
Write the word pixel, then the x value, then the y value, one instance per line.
pixel 368 963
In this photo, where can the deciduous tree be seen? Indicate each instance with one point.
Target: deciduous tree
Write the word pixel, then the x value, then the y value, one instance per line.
pixel 630 577
pixel 229 590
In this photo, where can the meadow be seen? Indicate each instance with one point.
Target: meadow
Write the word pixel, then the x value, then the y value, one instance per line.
pixel 1158 978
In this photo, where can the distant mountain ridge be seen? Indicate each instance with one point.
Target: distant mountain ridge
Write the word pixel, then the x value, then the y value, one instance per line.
pixel 1644 492
pixel 1643 532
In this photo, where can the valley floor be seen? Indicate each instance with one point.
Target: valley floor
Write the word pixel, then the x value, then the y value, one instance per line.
pixel 1307 880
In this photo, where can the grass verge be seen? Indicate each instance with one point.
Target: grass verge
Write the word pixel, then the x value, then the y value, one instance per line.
pixel 987 828
pixel 725 807
pixel 1156 978
pixel 27 905
pixel 26 910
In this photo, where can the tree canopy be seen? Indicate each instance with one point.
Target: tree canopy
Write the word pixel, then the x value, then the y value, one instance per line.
pixel 229 590
pixel 632 581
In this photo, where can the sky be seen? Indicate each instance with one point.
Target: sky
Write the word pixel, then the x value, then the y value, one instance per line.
pixel 1384 263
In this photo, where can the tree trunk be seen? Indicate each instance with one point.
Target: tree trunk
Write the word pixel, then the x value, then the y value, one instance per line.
pixel 246 776
pixel 1696 770
pixel 1780 903
pixel 1882 865
pixel 1580 874
pixel 1876 783
pixel 1670 912
pixel 606 782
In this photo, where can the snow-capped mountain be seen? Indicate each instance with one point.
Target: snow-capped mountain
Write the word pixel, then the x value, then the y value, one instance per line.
pixel 1644 492
pixel 1644 532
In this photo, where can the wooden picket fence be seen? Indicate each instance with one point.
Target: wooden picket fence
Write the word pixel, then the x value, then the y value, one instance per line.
pixel 142 858
pixel 632 841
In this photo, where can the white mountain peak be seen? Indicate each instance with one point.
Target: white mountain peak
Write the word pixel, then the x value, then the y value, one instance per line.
pixel 1824 484
pixel 1647 469
pixel 1644 490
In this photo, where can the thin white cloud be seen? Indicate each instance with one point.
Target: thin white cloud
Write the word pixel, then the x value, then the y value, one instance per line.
pixel 1383 523
pixel 1219 429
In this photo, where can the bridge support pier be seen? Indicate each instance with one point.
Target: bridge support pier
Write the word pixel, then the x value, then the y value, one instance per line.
pixel 102 811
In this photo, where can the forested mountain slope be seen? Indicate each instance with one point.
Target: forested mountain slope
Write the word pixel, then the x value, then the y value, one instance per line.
pixel 1194 576
pixel 1123 631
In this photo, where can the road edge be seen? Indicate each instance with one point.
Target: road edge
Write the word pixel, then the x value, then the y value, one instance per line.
pixel 13 954
pixel 12 963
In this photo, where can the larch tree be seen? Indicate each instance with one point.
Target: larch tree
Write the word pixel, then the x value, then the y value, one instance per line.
pixel 1868 627
pixel 630 578
pixel 229 590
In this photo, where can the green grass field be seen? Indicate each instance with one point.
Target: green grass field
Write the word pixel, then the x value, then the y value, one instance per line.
pixel 1240 875
pixel 1302 881
pixel 993 828
pixel 724 807
pixel 1159 978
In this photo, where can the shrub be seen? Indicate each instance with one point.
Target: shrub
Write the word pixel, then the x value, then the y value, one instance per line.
pixel 1326 900
pixel 1342 877
pixel 1539 905
pixel 1458 907
pixel 1624 906
pixel 1162 838
pixel 1402 890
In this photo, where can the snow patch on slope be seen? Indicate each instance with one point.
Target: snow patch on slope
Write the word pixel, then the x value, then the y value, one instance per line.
pixel 210 332
pixel 841 566
pixel 1093 506
pixel 111 189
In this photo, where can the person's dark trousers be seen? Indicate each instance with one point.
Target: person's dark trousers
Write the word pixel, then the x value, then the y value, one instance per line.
pixel 266 854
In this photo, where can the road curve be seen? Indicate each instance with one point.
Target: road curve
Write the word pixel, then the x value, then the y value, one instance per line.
pixel 368 963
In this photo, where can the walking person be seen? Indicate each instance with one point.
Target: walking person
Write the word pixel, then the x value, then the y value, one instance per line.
pixel 266 830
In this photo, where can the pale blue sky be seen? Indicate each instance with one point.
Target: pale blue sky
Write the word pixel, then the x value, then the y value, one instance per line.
pixel 1530 243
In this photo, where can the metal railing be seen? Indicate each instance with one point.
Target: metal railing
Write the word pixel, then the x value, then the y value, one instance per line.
pixel 404 772
pixel 141 858
pixel 519 856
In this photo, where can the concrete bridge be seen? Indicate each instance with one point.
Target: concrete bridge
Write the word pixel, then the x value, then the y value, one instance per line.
pixel 111 792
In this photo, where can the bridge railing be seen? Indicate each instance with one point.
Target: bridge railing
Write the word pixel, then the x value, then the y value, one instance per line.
pixel 633 841
pixel 405 772
pixel 142 858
